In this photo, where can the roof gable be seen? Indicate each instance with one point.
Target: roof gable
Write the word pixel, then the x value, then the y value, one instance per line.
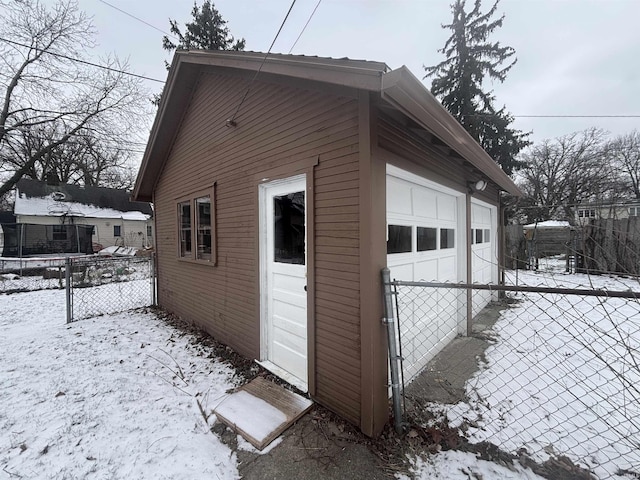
pixel 399 88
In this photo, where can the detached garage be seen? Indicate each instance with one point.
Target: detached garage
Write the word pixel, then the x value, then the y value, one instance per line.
pixel 279 197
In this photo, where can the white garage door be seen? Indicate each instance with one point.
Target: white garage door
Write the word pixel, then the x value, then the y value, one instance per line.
pixel 424 244
pixel 484 254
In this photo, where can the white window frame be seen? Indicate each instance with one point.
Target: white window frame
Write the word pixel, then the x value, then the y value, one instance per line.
pixel 193 255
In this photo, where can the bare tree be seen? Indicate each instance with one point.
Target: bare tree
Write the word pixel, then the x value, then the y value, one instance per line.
pixel 625 155
pixel 84 159
pixel 48 87
pixel 566 171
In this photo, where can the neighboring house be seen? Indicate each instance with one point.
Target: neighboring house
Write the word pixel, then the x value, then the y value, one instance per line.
pixel 278 199
pixel 70 218
pixel 619 210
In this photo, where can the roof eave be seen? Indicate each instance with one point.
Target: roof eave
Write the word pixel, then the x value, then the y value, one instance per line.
pixel 183 74
pixel 173 102
pixel 406 93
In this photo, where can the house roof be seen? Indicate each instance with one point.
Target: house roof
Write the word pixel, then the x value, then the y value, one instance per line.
pixel 42 199
pixel 399 88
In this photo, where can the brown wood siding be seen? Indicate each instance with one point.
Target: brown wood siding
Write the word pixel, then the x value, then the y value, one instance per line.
pixel 419 157
pixel 277 127
pixel 337 298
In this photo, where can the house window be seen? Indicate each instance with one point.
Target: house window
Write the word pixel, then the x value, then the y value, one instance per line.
pixel 184 221
pixel 447 238
pixel 587 213
pixel 289 228
pixel 399 239
pixel 634 211
pixel 196 227
pixel 60 232
pixel 478 235
pixel 149 231
pixel 203 228
pixel 427 239
pixel 117 231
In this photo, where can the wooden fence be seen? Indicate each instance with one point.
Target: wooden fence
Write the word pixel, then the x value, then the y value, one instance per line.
pixel 597 246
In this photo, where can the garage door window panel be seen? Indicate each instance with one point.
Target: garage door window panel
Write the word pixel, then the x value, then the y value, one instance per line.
pixel 447 238
pixel 427 239
pixel 400 239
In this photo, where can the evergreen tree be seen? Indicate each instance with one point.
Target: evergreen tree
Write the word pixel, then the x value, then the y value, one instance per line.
pixel 458 82
pixel 207 31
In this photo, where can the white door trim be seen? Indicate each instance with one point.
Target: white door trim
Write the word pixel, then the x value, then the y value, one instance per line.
pixel 265 192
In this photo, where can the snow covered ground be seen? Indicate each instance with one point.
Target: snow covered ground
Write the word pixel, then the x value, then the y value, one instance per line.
pixel 562 377
pixel 108 398
pixel 456 465
pixel 116 397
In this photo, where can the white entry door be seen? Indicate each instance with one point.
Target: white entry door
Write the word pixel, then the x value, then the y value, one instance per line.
pixel 284 278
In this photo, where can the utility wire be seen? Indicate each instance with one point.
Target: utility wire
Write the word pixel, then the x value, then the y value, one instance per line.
pixel 305 26
pixel 139 19
pixel 231 121
pixel 78 60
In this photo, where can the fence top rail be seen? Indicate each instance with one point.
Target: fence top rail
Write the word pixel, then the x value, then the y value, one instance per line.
pixel 514 288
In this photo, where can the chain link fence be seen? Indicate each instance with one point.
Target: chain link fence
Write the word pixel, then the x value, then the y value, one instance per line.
pixel 546 374
pixel 29 274
pixel 106 285
pixel 93 285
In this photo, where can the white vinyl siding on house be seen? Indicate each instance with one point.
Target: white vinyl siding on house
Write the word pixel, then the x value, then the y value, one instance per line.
pixel 132 231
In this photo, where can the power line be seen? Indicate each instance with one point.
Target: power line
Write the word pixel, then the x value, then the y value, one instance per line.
pixel 78 60
pixel 231 121
pixel 139 19
pixel 305 26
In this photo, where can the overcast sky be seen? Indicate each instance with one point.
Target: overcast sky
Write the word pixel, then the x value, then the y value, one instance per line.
pixel 575 57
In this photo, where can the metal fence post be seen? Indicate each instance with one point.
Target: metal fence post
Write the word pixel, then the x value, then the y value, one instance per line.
pixel 394 358
pixel 68 278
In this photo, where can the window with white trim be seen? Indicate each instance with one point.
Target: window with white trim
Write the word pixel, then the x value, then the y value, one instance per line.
pixel 196 227
pixel 634 211
pixel 586 213
pixel 203 228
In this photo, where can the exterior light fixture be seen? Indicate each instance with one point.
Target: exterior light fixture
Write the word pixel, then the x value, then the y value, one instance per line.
pixel 478 186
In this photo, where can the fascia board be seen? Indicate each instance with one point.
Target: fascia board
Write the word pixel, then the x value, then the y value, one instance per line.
pixel 405 92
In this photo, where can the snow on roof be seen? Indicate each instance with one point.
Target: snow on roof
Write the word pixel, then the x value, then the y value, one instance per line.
pixel 49 207
pixel 549 224
pixel 42 199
